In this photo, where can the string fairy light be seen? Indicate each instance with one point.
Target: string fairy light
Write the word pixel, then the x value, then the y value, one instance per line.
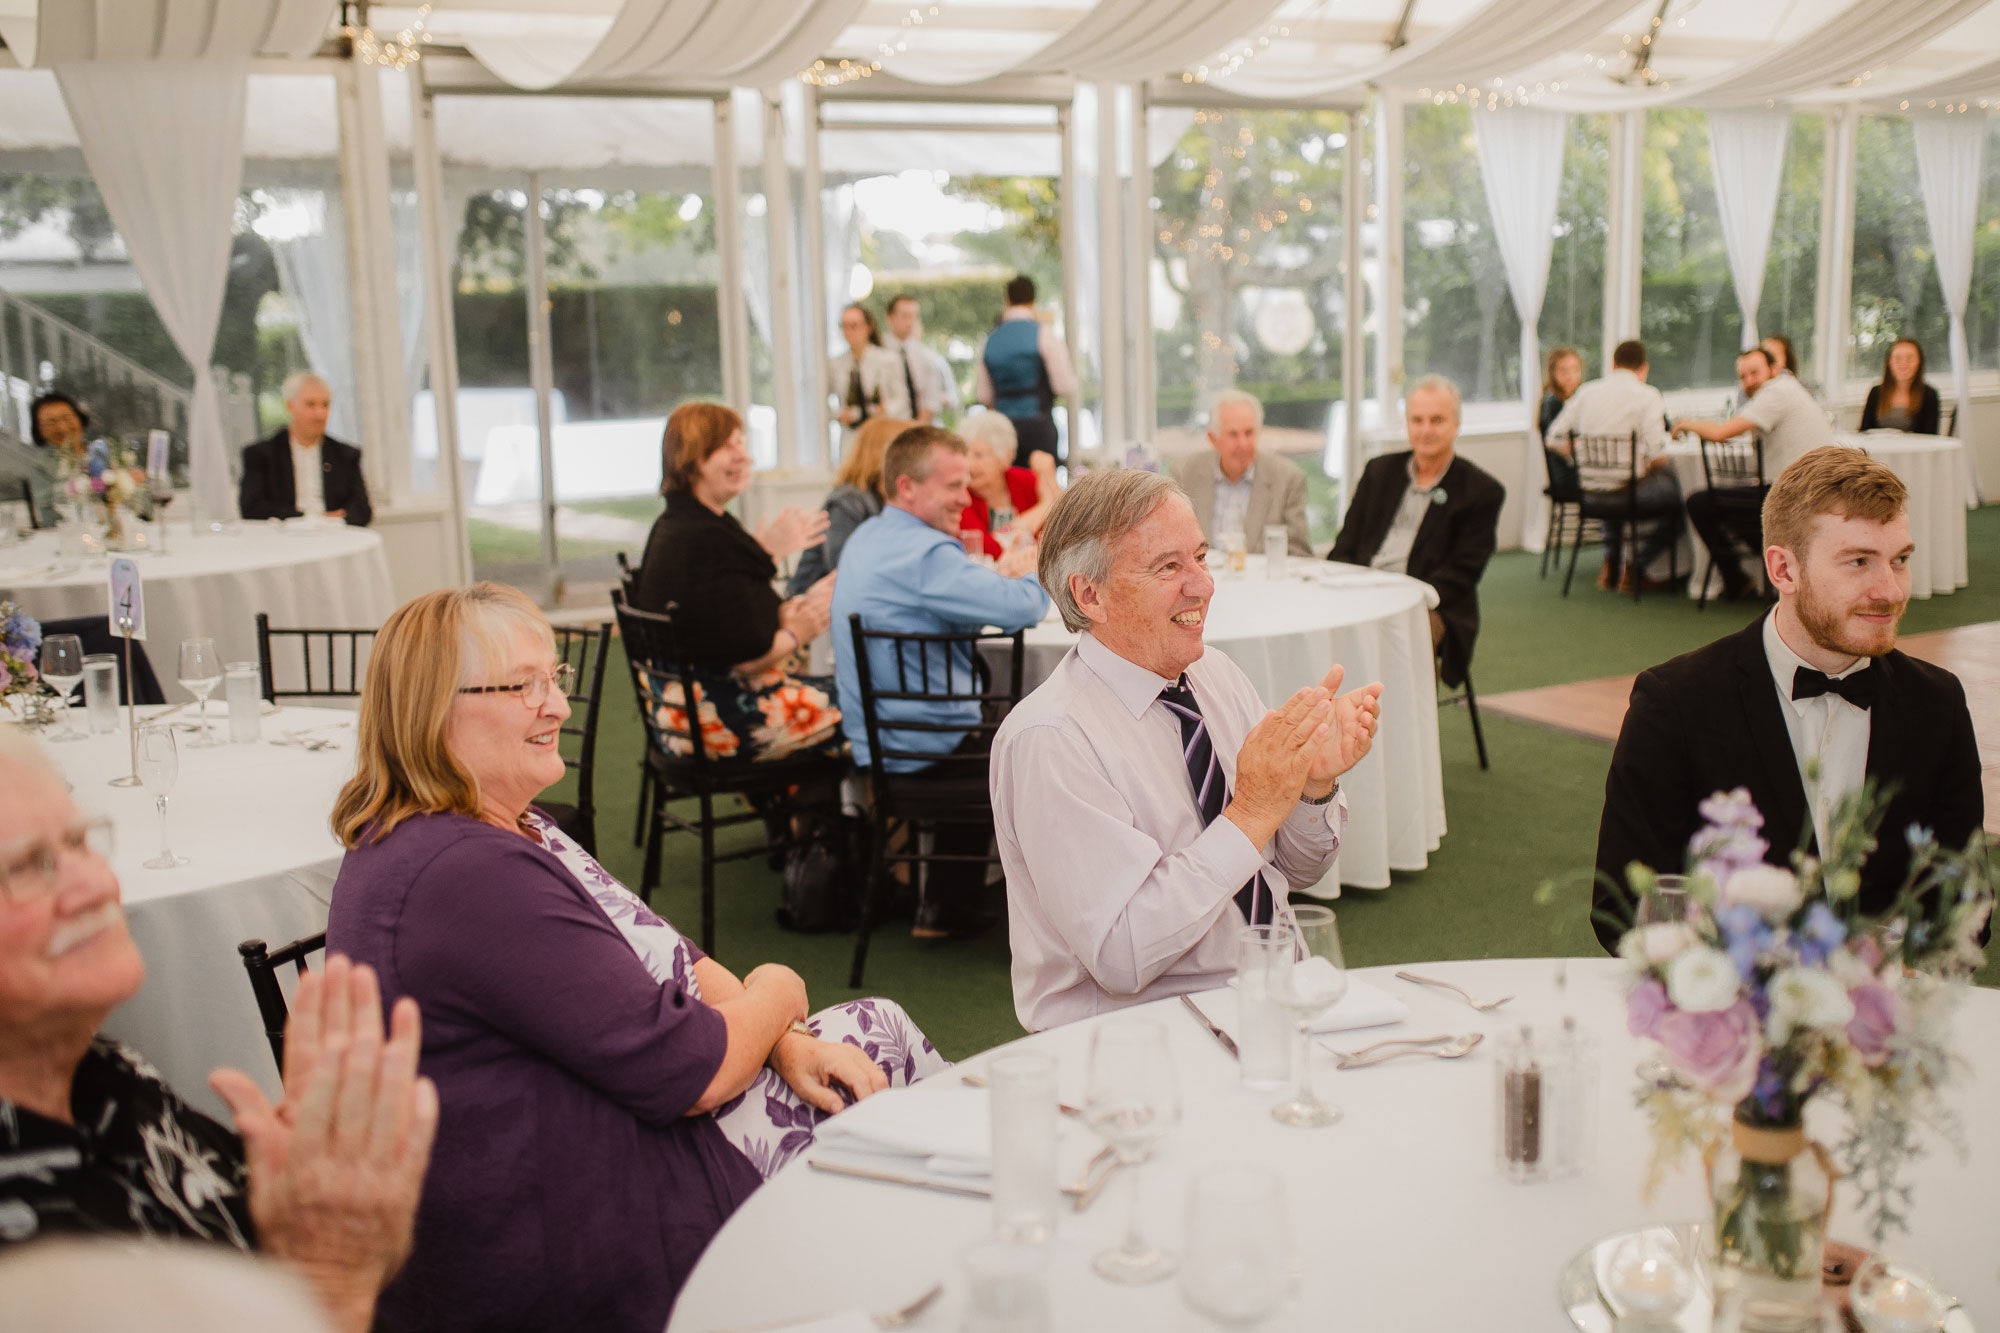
pixel 833 74
pixel 400 52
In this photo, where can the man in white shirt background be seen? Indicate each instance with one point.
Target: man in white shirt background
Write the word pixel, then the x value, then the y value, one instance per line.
pixel 1623 404
pixel 1146 804
pixel 1240 487
pixel 926 375
pixel 301 471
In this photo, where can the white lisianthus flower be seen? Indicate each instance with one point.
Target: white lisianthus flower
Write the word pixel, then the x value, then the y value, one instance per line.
pixel 1658 943
pixel 1805 997
pixel 1774 892
pixel 1702 980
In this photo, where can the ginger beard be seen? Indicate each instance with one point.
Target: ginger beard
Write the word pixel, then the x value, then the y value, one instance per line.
pixel 1840 627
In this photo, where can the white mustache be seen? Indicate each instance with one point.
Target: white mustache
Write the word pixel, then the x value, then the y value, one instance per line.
pixel 77 930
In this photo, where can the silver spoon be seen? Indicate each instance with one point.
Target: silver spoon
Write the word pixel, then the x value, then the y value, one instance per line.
pixel 1463 994
pixel 899 1317
pixel 1450 1050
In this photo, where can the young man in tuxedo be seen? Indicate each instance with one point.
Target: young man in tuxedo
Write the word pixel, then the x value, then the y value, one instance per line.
pixel 302 470
pixel 1432 515
pixel 1817 680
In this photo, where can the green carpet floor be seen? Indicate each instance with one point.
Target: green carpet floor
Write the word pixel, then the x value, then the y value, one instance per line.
pixel 1533 816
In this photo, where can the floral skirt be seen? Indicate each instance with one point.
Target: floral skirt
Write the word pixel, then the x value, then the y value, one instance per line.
pixel 771 715
pixel 770 1124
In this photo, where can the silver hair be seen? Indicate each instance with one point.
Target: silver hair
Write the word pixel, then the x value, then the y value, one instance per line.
pixel 298 380
pixel 1225 397
pixel 995 431
pixel 1437 384
pixel 1087 522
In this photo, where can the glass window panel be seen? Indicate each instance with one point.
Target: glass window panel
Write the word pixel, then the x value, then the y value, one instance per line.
pixel 1458 318
pixel 1791 267
pixel 1573 305
pixel 1688 315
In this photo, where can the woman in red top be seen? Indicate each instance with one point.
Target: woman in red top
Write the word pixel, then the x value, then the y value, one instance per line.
pixel 1005 499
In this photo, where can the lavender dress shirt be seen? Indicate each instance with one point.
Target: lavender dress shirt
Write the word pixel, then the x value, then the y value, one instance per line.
pixel 568 1187
pixel 1116 894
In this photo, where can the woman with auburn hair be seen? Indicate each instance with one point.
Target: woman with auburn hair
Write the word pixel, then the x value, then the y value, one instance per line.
pixel 609 1093
pixel 743 640
pixel 1903 400
pixel 1560 378
pixel 855 498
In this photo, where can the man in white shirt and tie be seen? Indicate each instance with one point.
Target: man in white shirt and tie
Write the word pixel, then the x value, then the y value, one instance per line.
pixel 926 375
pixel 1146 804
pixel 1622 404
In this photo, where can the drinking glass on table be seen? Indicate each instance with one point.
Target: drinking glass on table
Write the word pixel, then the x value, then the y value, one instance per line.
pixel 1133 1100
pixel 1668 903
pixel 200 673
pixel 1318 981
pixel 62 668
pixel 1238 1265
pixel 159 769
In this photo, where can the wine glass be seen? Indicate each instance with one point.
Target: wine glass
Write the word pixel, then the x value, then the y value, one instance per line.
pixel 1238 1266
pixel 1132 1100
pixel 159 769
pixel 200 673
pixel 62 668
pixel 1318 980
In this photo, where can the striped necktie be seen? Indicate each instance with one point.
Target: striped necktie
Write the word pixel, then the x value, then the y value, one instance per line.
pixel 1211 789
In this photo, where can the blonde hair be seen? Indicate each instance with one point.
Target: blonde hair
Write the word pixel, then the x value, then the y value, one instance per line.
pixel 993 430
pixel 862 468
pixel 1831 479
pixel 425 651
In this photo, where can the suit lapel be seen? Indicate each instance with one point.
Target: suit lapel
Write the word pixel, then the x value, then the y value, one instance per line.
pixel 1764 723
pixel 281 470
pixel 1888 733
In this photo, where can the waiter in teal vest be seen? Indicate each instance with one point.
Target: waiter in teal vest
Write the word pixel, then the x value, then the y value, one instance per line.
pixel 1023 369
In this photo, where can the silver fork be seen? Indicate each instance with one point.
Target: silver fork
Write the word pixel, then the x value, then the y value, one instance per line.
pixel 1481 1005
pixel 900 1317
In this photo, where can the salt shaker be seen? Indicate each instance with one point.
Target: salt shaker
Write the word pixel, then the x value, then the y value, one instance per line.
pixel 1519 1099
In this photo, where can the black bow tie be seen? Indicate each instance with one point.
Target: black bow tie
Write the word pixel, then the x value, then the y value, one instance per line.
pixel 1858 689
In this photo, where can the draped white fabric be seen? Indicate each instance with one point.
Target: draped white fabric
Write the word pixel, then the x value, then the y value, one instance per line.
pixel 1949 153
pixel 312 270
pixel 750 43
pixel 1747 151
pixel 70 30
pixel 410 288
pixel 164 140
pixel 1520 163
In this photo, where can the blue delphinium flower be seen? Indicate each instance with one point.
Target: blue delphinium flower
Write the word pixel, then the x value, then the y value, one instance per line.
pixel 1745 936
pixel 1820 935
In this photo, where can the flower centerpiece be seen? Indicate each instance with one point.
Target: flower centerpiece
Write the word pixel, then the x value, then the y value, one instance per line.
pixel 1777 989
pixel 109 476
pixel 20 649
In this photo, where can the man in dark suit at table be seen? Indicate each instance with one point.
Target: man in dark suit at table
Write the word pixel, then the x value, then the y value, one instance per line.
pixel 1818 681
pixel 302 470
pixel 1432 515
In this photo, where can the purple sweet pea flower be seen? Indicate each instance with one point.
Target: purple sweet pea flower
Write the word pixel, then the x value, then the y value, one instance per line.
pixel 1822 933
pixel 1732 809
pixel 1644 1008
pixel 1716 1051
pixel 1878 1014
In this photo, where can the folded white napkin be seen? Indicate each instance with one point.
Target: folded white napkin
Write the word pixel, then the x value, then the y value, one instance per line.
pixel 945 1130
pixel 1364 1006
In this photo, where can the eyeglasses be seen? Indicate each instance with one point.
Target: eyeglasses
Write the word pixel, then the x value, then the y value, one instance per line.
pixel 28 870
pixel 534 691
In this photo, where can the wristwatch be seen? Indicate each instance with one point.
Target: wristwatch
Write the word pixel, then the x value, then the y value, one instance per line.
pixel 1322 800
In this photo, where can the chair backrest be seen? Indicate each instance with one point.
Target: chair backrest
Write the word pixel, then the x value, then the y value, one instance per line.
pixel 660 678
pixel 1606 462
pixel 932 669
pixel 628 577
pixel 1562 476
pixel 1950 426
pixel 262 963
pixel 333 663
pixel 583 648
pixel 35 515
pixel 95 631
pixel 1733 464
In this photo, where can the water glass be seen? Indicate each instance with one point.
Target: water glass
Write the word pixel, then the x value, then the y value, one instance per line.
pixel 1134 1101
pixel 1238 1265
pixel 1318 981
pixel 1235 552
pixel 62 668
pixel 200 672
pixel 1277 545
pixel 159 768
pixel 1669 902
pixel 1023 1105
pixel 1264 956
pixel 1889 1296
pixel 1006 1287
pixel 1650 1276
pixel 243 687
pixel 100 692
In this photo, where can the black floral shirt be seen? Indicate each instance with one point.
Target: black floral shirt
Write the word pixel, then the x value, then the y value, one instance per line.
pixel 137 1161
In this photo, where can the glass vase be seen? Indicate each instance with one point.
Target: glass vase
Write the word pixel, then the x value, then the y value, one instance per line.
pixel 1772 1193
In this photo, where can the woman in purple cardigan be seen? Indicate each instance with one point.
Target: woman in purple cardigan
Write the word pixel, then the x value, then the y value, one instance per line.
pixel 609 1093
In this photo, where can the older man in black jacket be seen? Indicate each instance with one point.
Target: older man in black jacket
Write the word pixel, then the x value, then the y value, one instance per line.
pixel 1432 515
pixel 302 470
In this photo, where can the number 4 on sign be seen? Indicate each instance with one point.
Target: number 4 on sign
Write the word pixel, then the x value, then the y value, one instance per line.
pixel 128 600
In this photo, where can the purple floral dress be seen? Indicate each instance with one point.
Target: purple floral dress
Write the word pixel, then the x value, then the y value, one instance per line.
pixel 769 1123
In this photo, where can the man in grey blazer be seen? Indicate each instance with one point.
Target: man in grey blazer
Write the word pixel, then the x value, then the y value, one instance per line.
pixel 1239 487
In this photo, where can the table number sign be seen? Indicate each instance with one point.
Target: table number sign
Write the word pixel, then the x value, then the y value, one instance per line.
pixel 128 599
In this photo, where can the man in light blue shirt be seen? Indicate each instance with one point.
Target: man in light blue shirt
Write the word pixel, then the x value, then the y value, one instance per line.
pixel 906 570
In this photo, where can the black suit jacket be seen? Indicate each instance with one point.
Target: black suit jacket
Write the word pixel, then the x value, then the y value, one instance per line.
pixel 1453 543
pixel 1711 721
pixel 269 490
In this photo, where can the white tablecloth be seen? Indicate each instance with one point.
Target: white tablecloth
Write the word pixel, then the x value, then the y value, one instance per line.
pixel 1285 634
pixel 1399 1219
pixel 252 821
pixel 213 585
pixel 1932 467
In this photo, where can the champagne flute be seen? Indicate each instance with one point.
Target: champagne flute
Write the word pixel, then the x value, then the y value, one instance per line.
pixel 159 769
pixel 1318 980
pixel 1133 1101
pixel 200 673
pixel 1238 1269
pixel 62 668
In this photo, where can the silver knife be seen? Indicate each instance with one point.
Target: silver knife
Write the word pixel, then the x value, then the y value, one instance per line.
pixel 897 1178
pixel 1228 1042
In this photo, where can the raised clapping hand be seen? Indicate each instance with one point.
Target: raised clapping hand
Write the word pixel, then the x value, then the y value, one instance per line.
pixel 1351 733
pixel 1309 742
pixel 336 1168
pixel 792 529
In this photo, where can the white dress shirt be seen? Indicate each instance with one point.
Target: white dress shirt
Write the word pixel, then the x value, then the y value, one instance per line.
pixel 1116 894
pixel 1827 728
pixel 922 371
pixel 1618 404
pixel 1394 553
pixel 308 485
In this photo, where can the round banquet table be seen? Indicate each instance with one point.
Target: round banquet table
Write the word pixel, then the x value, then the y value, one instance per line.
pixel 211 585
pixel 1932 467
pixel 252 821
pixel 1399 1218
pixel 1284 634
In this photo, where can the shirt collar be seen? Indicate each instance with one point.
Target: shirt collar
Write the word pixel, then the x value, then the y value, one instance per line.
pixel 894 514
pixel 1134 685
pixel 1018 312
pixel 1411 468
pixel 1785 665
pixel 1244 480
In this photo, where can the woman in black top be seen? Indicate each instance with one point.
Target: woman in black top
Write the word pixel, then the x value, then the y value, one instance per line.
pixel 1902 401
pixel 742 640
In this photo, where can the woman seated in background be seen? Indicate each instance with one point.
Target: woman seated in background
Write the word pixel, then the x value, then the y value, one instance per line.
pixel 1902 401
pixel 1008 502
pixel 855 498
pixel 609 1093
pixel 1559 380
pixel 743 641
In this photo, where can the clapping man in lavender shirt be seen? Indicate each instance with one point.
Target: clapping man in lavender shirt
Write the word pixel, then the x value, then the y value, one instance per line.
pixel 1147 805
